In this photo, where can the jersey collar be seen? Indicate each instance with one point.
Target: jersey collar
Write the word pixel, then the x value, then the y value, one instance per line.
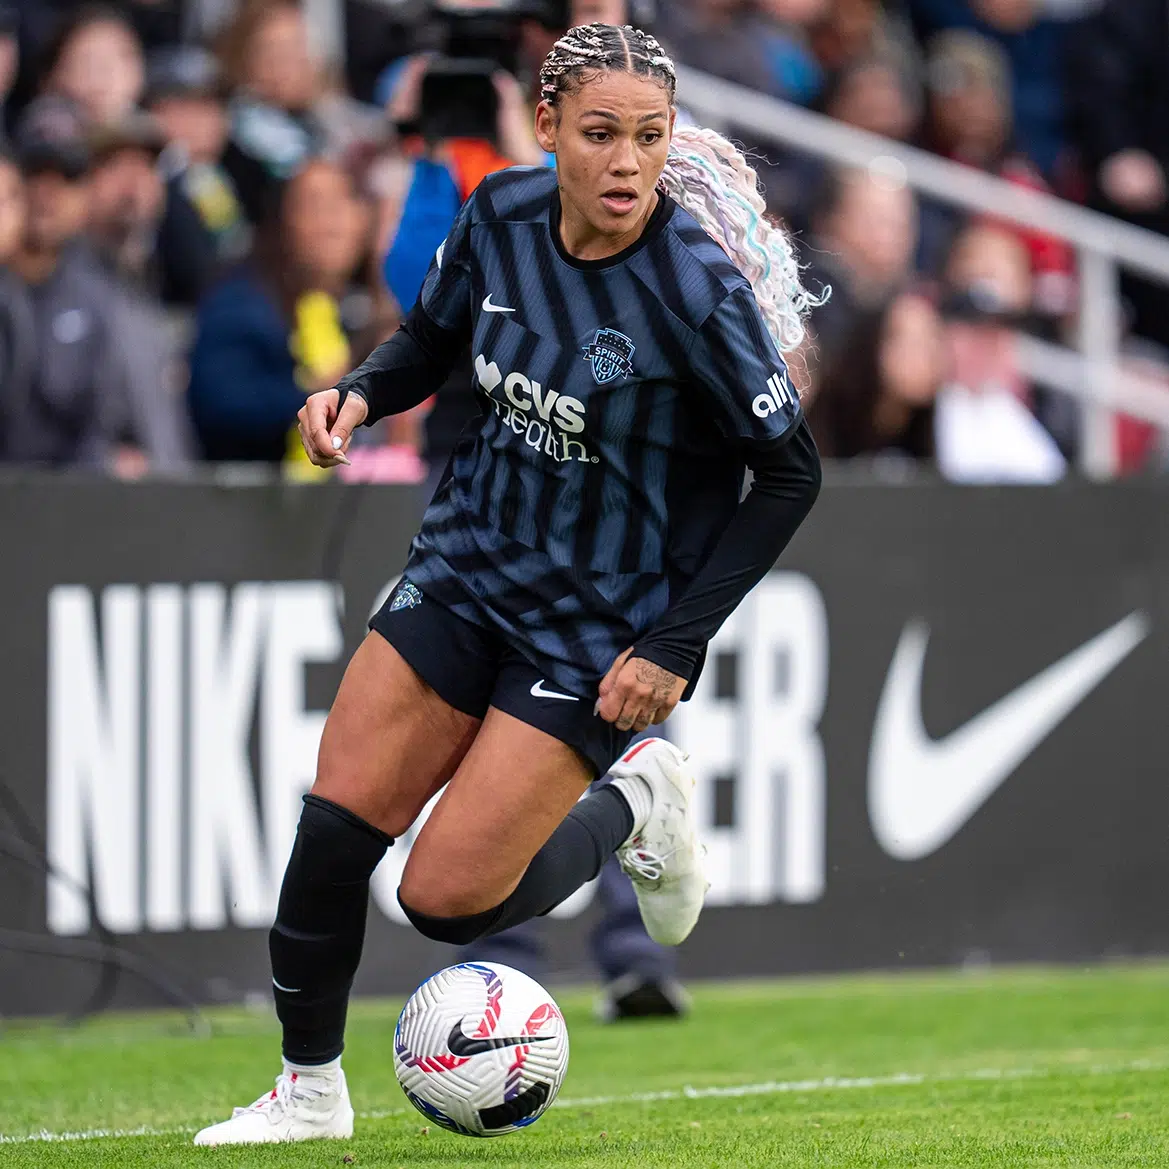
pixel 662 215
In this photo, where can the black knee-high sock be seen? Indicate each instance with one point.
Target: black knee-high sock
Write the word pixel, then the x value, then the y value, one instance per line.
pixel 574 854
pixel 316 942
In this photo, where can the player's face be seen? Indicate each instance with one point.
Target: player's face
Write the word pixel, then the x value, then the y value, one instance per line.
pixel 610 138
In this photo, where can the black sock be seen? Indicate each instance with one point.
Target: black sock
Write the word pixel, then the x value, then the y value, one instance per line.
pixel 315 943
pixel 574 854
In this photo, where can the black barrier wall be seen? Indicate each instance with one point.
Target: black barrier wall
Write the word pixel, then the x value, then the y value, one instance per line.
pixel 936 735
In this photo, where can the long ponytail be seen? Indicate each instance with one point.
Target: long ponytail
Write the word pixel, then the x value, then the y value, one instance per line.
pixel 712 179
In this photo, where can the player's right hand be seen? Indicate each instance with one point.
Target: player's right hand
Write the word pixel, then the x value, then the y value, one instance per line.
pixel 321 425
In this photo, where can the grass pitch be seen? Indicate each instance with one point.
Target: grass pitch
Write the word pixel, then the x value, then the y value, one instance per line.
pixel 1013 1068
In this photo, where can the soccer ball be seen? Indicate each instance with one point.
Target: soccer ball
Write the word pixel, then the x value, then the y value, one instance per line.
pixel 481 1049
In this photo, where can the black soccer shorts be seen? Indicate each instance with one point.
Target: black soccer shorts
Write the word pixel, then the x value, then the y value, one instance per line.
pixel 472 668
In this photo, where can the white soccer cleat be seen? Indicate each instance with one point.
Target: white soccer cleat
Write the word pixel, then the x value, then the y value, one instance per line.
pixel 299 1108
pixel 663 857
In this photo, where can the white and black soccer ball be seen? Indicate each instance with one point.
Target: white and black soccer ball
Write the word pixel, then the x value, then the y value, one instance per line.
pixel 481 1049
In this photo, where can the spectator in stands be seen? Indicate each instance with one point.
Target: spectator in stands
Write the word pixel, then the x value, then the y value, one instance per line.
pixel 742 43
pixel 1035 46
pixel 1140 446
pixel 128 198
pixel 272 331
pixel 100 396
pixel 864 236
pixel 275 81
pixel 789 48
pixel 877 396
pixel 847 31
pixel 204 228
pixel 281 113
pixel 600 12
pixel 878 93
pixel 970 120
pixel 1121 90
pixel 9 61
pixel 96 61
pixel 18 342
pixel 986 431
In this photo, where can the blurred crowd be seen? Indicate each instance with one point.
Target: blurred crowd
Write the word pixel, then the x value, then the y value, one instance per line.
pixel 204 217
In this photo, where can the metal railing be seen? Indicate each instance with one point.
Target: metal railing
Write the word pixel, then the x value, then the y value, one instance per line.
pixel 1091 371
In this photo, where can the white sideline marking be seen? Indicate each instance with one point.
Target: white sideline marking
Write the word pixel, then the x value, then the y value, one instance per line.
pixel 92 1134
pixel 767 1088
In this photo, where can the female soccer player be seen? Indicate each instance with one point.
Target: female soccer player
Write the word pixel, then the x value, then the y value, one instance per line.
pixel 626 314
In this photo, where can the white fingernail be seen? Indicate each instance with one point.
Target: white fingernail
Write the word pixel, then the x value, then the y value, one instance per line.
pixel 338 442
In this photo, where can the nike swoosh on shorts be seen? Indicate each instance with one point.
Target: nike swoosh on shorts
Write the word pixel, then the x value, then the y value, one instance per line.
pixel 488 307
pixel 922 790
pixel 538 691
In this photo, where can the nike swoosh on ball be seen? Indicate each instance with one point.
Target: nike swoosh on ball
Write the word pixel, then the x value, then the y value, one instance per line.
pixel 465 1046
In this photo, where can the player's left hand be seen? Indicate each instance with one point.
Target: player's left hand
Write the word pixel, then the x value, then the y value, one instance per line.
pixel 635 693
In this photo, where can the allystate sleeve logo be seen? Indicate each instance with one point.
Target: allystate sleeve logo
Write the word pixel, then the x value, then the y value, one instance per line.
pixel 780 395
pixel 923 790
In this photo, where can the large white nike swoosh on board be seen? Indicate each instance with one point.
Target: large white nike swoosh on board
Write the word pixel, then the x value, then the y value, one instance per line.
pixel 922 790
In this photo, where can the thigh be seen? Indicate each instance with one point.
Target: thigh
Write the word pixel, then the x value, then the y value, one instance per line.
pixel 524 692
pixel 511 791
pixel 391 740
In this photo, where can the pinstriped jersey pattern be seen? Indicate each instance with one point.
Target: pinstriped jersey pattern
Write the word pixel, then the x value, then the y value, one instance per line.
pixel 618 402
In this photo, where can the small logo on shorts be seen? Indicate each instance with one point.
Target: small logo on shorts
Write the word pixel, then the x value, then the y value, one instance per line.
pixel 611 354
pixel 539 690
pixel 407 597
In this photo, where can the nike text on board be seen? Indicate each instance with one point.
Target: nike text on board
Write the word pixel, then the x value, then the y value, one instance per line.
pixel 538 691
pixel 779 394
pixel 922 790
pixel 488 307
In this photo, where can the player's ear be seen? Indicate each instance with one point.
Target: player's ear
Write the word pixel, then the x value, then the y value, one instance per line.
pixel 673 119
pixel 547 122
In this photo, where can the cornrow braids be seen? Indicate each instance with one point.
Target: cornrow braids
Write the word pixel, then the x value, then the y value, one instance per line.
pixel 591 48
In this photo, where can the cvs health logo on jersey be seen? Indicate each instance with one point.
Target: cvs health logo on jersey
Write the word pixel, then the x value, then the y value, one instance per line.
pixel 544 419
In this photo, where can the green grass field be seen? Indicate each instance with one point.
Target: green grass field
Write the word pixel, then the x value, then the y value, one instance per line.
pixel 1012 1068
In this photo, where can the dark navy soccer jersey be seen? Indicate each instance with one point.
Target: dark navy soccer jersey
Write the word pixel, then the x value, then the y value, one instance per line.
pixel 620 402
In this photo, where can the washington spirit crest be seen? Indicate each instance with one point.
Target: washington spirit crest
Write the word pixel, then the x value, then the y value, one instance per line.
pixel 407 597
pixel 611 354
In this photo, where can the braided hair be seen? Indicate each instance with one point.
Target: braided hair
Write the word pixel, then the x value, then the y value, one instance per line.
pixel 704 172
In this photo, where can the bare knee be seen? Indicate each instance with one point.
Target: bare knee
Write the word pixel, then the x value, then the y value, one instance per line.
pixel 441 890
pixel 446 919
pixel 342 779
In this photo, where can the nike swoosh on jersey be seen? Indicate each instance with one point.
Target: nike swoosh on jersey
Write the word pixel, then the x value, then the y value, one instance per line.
pixel 465 1046
pixel 922 790
pixel 538 691
pixel 488 307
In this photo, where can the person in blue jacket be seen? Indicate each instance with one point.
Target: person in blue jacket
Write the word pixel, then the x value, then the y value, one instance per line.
pixel 270 332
